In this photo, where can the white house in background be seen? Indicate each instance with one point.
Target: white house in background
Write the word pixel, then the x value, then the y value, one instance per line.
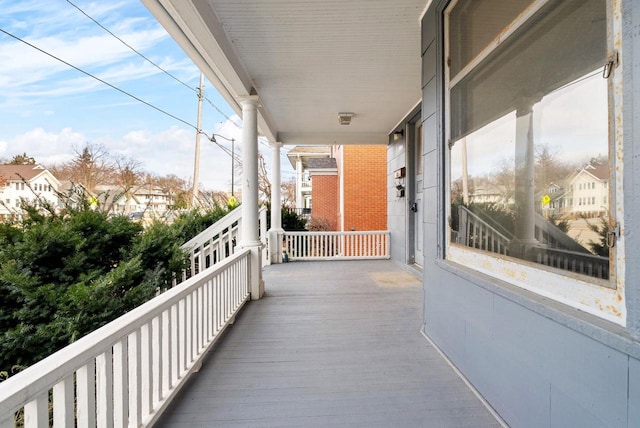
pixel 299 157
pixel 29 183
pixel 153 202
pixel 584 193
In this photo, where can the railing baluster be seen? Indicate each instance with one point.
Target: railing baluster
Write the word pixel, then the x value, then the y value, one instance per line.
pixel 120 389
pixel 156 358
pixel 175 345
pixel 85 393
pixel 104 389
pixel 146 375
pixel 135 378
pixel 36 412
pixel 63 403
pixel 166 353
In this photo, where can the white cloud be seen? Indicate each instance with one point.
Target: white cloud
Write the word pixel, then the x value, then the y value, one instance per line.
pixel 67 34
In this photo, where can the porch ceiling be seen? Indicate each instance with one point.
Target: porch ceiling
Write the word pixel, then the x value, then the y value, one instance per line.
pixel 307 60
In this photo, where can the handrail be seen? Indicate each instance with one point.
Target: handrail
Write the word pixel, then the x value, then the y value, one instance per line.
pixel 127 371
pixel 213 244
pixel 331 245
pixel 219 241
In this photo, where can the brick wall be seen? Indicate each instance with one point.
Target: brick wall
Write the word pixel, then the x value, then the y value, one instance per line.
pixel 365 187
pixel 324 197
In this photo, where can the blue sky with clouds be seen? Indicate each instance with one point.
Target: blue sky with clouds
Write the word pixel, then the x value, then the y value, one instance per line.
pixel 48 108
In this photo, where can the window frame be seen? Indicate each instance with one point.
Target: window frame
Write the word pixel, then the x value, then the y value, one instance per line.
pixel 603 298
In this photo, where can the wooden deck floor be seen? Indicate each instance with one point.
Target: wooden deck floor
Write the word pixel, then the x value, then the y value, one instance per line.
pixel 332 344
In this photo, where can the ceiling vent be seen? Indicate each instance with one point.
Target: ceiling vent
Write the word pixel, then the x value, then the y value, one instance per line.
pixel 345 118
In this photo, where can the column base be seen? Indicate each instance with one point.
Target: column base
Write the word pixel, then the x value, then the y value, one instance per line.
pixel 256 284
pixel 275 245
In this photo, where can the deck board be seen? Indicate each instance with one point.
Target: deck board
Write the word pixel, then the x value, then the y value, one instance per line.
pixel 332 344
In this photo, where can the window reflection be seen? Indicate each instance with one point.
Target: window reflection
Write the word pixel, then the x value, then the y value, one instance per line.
pixel 534 184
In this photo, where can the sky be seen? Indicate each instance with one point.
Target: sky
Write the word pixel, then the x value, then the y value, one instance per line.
pixel 49 110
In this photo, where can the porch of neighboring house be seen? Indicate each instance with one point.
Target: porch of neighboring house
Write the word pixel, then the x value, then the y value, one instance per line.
pixel 330 344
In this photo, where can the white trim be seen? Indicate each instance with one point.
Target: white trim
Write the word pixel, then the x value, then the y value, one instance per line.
pixel 574 290
pixel 406 116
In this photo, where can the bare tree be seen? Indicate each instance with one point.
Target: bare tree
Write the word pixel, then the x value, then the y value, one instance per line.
pixel 289 193
pixel 264 185
pixel 90 166
pixel 127 174
pixel 177 188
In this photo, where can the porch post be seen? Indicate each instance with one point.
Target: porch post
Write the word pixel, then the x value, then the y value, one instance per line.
pixel 249 237
pixel 525 221
pixel 299 173
pixel 276 231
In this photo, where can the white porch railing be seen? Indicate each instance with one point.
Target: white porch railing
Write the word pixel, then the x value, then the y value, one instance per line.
pixel 337 245
pixel 126 373
pixel 219 241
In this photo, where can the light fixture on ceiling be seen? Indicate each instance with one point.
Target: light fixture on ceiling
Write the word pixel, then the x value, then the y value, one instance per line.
pixel 398 135
pixel 345 118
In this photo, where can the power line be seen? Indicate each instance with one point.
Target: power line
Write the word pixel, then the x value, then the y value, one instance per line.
pixel 149 60
pixel 130 47
pixel 99 79
pixel 227 151
pixel 222 113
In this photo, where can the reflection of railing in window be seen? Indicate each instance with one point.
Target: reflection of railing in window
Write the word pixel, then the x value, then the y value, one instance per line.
pixel 554 247
pixel 578 262
pixel 477 233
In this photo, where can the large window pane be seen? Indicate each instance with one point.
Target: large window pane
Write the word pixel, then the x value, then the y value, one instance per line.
pixel 529 165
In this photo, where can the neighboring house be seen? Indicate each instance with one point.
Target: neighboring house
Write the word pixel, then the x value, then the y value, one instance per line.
pixel 347 188
pixel 25 183
pixel 325 193
pixel 299 157
pixel 584 193
pixel 153 202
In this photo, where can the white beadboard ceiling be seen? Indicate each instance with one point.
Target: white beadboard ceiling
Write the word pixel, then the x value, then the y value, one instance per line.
pixel 307 60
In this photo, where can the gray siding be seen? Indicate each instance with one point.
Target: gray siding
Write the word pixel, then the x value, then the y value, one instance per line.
pixel 396 207
pixel 537 362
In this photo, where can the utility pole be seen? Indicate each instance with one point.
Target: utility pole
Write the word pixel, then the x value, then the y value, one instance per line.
pixel 196 164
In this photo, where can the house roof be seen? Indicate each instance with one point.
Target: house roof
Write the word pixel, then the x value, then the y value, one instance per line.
pixel 600 171
pixel 306 153
pixel 20 172
pixel 307 61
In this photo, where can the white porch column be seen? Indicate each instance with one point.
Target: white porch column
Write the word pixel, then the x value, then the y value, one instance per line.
pixel 299 174
pixel 276 231
pixel 249 237
pixel 524 183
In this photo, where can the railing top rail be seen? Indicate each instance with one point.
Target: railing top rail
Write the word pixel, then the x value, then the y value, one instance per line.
pixel 28 384
pixel 578 254
pixel 214 229
pixel 333 233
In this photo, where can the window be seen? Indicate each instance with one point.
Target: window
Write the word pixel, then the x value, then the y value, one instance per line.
pixel 515 70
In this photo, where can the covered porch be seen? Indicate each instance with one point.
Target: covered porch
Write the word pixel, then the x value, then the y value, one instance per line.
pixel 330 344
